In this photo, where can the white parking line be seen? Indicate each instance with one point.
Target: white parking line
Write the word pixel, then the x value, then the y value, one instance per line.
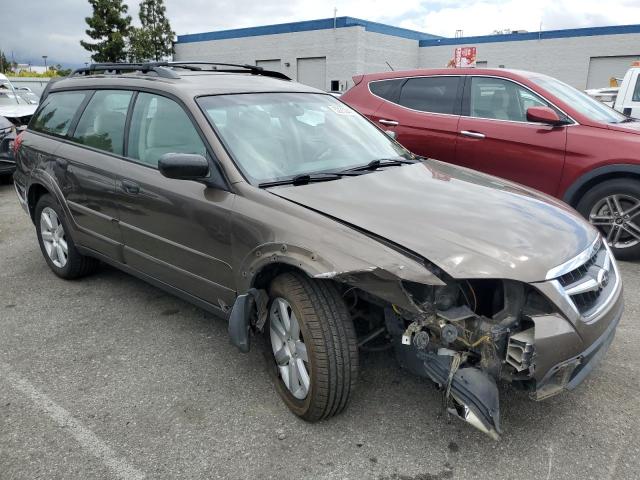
pixel 85 437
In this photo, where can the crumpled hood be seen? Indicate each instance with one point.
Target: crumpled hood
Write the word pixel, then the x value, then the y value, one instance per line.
pixel 16 111
pixel 469 224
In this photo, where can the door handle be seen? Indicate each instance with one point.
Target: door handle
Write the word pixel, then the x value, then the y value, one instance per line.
pixel 390 123
pixel 130 187
pixel 467 133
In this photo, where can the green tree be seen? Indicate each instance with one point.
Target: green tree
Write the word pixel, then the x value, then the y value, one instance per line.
pixel 154 39
pixel 5 65
pixel 110 26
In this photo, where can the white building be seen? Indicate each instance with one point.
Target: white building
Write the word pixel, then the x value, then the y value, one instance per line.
pixel 326 53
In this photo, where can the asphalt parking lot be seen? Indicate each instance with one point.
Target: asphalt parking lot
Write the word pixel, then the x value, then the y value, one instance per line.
pixel 108 377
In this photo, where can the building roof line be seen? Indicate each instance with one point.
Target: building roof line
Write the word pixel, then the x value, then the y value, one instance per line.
pixel 305 26
pixel 542 35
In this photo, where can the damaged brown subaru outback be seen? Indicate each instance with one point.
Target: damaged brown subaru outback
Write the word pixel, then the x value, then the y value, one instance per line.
pixel 297 220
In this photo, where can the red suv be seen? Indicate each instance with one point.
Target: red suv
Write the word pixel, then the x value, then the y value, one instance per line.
pixel 523 126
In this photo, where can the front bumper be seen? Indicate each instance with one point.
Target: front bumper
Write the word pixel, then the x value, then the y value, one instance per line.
pixel 570 373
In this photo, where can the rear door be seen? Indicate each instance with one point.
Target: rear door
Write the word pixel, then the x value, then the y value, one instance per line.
pixel 176 231
pixel 424 112
pixel 90 126
pixel 496 138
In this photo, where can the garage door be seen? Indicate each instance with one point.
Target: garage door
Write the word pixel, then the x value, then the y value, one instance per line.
pixel 601 69
pixel 313 72
pixel 274 65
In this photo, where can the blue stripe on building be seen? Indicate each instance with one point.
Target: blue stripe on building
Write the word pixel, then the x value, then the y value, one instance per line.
pixel 544 35
pixel 321 24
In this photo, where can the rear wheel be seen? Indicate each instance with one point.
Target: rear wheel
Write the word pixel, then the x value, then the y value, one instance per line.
pixel 613 207
pixel 313 345
pixel 56 245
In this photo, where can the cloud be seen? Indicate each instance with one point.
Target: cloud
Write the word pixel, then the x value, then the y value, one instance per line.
pixel 55 28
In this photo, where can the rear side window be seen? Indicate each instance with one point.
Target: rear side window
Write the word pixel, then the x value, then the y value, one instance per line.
pixel 387 89
pixel 57 112
pixel 158 126
pixel 102 122
pixel 431 94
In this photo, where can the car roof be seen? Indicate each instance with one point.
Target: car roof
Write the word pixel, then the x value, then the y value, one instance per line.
pixel 499 72
pixel 188 83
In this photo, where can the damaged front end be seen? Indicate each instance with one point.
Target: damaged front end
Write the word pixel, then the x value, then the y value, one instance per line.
pixel 466 336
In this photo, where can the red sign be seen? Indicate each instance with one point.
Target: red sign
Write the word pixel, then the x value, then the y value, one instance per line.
pixel 465 57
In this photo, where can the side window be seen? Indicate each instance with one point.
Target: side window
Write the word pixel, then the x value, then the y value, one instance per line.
pixel 57 112
pixel 158 126
pixel 387 89
pixel 636 91
pixel 500 99
pixel 102 122
pixel 431 94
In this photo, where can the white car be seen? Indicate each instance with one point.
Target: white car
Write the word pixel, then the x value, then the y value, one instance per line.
pixel 12 105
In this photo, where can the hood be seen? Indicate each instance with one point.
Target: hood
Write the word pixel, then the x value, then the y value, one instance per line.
pixel 16 111
pixel 469 224
pixel 628 127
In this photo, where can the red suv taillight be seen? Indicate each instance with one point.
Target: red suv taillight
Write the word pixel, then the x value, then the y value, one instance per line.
pixel 16 143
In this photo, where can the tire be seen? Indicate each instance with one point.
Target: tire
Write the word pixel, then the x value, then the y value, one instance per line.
pixel 327 332
pixel 74 265
pixel 621 227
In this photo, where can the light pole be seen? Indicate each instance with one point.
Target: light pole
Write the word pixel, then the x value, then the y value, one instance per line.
pixel 44 57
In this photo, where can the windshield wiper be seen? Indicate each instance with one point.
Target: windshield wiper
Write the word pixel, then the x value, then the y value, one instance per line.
pixel 304 179
pixel 381 162
pixel 627 120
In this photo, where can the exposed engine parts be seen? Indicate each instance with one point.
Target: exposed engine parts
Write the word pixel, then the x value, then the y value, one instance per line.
pixel 465 338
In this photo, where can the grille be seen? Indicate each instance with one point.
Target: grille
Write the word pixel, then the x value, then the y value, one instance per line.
pixel 589 284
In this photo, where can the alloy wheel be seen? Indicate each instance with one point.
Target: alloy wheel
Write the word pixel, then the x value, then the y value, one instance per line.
pixel 289 349
pixel 53 237
pixel 618 217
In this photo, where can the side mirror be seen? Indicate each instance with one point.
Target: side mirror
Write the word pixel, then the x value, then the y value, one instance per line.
pixel 391 134
pixel 183 166
pixel 543 115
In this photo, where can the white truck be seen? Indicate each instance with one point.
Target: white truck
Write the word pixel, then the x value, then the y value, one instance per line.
pixel 628 99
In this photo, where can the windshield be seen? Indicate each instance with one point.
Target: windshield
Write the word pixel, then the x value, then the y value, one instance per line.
pixel 8 95
pixel 276 136
pixel 580 101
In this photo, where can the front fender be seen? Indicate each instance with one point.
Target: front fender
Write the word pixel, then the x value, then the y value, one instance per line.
pixel 576 189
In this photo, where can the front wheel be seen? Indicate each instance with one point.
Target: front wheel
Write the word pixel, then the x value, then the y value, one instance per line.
pixel 315 353
pixel 613 207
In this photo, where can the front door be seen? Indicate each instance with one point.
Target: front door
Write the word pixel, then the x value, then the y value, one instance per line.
pixel 495 137
pixel 176 231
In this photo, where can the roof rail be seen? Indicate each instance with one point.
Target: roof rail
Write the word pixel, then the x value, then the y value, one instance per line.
pixel 156 67
pixel 164 69
pixel 253 69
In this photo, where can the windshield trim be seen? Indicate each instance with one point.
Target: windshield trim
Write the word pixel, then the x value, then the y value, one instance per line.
pixel 247 178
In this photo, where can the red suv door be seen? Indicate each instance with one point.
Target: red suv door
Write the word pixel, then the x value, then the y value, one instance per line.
pixel 495 137
pixel 423 111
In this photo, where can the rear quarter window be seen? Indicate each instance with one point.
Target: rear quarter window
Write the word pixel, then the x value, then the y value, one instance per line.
pixel 387 89
pixel 57 112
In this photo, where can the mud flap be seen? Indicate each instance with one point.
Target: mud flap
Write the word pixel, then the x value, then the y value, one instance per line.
pixel 474 394
pixel 240 320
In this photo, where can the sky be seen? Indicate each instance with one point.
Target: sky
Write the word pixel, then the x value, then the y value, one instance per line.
pixel 55 27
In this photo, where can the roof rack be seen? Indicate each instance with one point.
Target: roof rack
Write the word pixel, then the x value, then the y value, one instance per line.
pixel 165 69
pixel 117 68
